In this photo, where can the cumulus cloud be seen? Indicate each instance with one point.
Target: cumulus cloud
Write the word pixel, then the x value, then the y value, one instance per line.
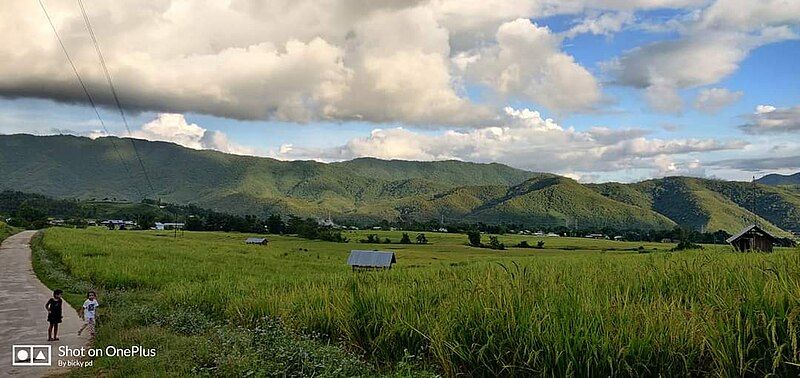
pixel 301 61
pixel 602 24
pixel 769 119
pixel 527 63
pixel 527 140
pixel 712 43
pixel 169 127
pixel 712 100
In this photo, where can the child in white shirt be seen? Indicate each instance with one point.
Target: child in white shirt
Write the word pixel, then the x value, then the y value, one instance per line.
pixel 89 312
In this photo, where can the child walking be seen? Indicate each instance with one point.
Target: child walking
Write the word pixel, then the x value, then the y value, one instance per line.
pixel 53 307
pixel 89 312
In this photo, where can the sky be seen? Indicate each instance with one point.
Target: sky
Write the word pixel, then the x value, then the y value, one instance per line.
pixel 597 90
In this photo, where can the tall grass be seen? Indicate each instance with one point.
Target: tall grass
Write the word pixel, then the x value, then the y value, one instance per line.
pixel 5 230
pixel 689 313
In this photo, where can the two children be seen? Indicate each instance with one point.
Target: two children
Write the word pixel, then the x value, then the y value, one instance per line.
pixel 54 314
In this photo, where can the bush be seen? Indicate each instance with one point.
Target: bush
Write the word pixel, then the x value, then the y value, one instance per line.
pixel 421 239
pixel 474 238
pixel 686 244
pixel 524 244
pixel 494 243
pixel 405 239
pixel 371 238
pixel 540 244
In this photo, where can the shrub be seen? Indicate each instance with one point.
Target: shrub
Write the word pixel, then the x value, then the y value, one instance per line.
pixel 494 243
pixel 421 239
pixel 524 244
pixel 474 238
pixel 540 244
pixel 405 239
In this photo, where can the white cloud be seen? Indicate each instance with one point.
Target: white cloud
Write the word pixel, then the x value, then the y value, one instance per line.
pixel 300 61
pixel 602 24
pixel 769 119
pixel 712 100
pixel 712 44
pixel 528 141
pixel 527 63
pixel 663 97
pixel 169 127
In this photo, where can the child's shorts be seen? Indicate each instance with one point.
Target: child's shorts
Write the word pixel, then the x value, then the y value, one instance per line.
pixel 53 318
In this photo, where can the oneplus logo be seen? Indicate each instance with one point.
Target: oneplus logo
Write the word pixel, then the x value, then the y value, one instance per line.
pixel 30 355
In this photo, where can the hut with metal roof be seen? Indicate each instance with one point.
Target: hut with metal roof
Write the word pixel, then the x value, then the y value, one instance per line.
pixel 261 241
pixel 371 259
pixel 752 238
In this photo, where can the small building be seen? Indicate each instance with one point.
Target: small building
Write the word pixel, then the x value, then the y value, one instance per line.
pixel 169 226
pixel 119 224
pixel 371 259
pixel 752 238
pixel 261 241
pixel 596 236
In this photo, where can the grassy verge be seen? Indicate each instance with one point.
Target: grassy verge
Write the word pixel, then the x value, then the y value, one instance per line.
pixel 188 341
pixel 6 231
pixel 466 311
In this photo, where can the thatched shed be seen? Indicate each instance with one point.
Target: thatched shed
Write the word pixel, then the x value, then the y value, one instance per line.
pixel 371 259
pixel 752 238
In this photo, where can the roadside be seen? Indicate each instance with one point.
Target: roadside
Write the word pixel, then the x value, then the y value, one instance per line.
pixel 23 319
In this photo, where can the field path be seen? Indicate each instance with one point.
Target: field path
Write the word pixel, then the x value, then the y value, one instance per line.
pixel 23 319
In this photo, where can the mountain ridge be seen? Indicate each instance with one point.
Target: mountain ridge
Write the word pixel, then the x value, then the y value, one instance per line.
pixel 366 190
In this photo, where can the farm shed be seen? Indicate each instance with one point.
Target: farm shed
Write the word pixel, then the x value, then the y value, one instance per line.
pixel 261 241
pixel 752 238
pixel 371 259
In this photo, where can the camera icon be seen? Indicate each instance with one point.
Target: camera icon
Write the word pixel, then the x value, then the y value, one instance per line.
pixel 31 355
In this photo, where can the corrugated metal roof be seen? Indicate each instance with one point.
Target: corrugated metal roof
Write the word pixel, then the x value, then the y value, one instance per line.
pixel 746 230
pixel 379 259
pixel 255 240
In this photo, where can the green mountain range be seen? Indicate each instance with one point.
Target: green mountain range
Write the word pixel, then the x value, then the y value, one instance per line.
pixel 367 190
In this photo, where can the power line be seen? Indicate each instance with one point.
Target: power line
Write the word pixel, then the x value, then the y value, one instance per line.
pixel 114 94
pixel 88 95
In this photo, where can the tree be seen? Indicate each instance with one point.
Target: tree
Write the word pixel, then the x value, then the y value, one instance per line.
pixel 275 224
pixel 474 238
pixel 494 243
pixel 405 239
pixel 540 244
pixel 421 239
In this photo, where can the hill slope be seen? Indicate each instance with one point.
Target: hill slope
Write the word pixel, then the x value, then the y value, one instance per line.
pixel 367 190
pixel 778 179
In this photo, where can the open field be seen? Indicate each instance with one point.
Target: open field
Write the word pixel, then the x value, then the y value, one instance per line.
pixel 210 304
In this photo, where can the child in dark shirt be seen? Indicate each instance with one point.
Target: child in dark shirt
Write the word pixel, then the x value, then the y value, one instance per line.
pixel 53 308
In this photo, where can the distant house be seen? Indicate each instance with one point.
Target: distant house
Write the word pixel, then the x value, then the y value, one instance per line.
pixel 371 259
pixel 169 226
pixel 261 241
pixel 552 235
pixel 752 238
pixel 118 224
pixel 596 236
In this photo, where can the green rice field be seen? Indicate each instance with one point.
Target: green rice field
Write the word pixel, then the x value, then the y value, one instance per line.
pixel 212 305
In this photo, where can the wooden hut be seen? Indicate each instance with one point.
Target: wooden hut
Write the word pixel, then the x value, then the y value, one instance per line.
pixel 752 238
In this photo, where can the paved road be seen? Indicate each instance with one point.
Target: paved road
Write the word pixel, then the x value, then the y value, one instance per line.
pixel 23 319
